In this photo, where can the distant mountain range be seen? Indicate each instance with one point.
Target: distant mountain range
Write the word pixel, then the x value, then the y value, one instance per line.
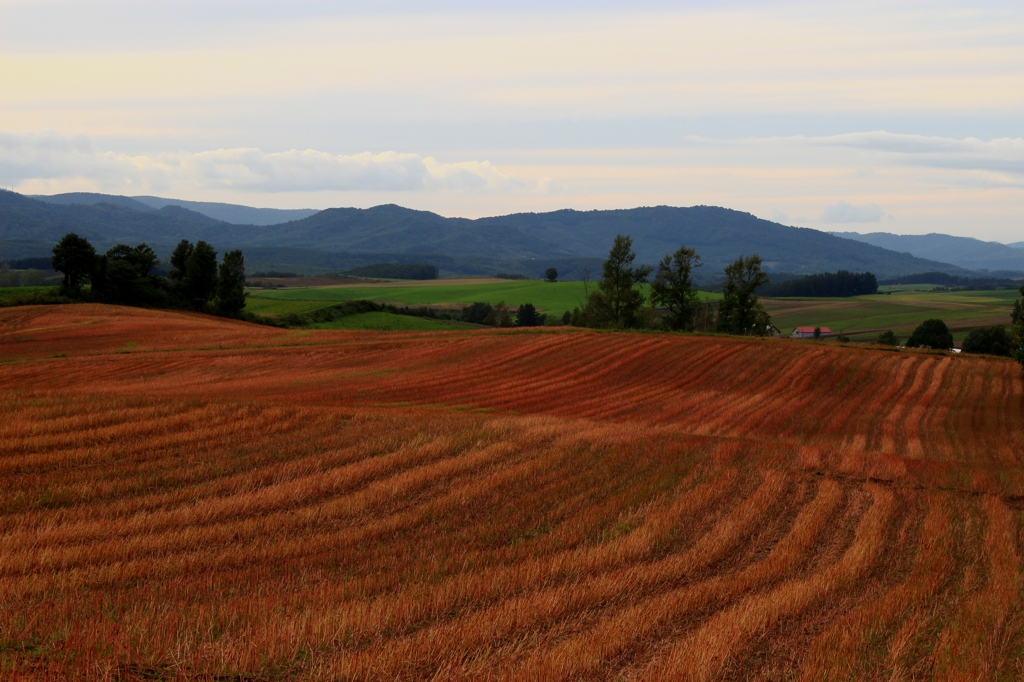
pixel 228 213
pixel 966 252
pixel 340 238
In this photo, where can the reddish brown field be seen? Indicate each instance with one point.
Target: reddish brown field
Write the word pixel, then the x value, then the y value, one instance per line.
pixel 184 497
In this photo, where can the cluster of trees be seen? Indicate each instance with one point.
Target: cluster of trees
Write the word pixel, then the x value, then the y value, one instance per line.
pixel 128 275
pixel 19 277
pixel 499 315
pixel 830 284
pixel 619 301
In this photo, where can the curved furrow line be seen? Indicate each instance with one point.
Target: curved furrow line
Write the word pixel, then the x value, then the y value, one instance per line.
pixel 35 449
pixel 705 653
pixel 208 481
pixel 893 393
pixel 242 525
pixel 588 652
pixel 401 611
pixel 923 407
pixel 470 369
pixel 244 499
pixel 327 539
pixel 428 648
pixel 847 649
pixel 972 645
pixel 505 395
pixel 658 393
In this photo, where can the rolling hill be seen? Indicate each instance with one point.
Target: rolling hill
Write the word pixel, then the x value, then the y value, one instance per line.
pixel 973 254
pixel 228 213
pixel 526 242
pixel 188 497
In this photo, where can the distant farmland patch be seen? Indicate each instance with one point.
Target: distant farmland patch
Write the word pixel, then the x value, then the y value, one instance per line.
pixel 862 317
pixel 554 297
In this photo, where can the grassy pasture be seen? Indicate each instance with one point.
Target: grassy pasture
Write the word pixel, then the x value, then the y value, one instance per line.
pixel 14 292
pixel 552 297
pixel 863 317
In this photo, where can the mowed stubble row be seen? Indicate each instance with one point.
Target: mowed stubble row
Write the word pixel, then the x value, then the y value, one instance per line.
pixel 189 497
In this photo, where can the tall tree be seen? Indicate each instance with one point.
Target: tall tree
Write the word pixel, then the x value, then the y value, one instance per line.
pixel 673 288
pixel 740 311
pixel 526 316
pixel 75 257
pixel 231 284
pixel 551 275
pixel 618 297
pixel 200 281
pixel 179 263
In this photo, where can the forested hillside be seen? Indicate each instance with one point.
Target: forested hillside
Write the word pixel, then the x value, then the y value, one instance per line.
pixel 526 242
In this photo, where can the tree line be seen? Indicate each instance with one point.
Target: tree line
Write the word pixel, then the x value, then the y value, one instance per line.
pixel 826 284
pixel 127 275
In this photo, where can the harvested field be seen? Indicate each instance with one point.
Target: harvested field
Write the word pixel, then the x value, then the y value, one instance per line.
pixel 184 497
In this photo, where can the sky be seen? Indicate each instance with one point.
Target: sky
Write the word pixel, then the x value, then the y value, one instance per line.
pixel 865 117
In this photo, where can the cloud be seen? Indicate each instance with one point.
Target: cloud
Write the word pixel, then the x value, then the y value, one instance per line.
pixel 1000 155
pixel 51 157
pixel 842 212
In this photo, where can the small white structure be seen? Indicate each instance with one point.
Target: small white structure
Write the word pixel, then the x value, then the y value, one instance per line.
pixel 808 332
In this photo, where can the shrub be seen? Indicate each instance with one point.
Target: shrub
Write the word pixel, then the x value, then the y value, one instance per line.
pixel 991 340
pixel 887 338
pixel 931 334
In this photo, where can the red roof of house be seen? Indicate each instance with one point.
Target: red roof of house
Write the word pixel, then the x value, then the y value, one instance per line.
pixel 810 330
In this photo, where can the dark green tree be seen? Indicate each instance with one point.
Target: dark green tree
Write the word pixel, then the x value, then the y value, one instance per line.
pixel 887 338
pixel 673 288
pixel 476 313
pixel 231 284
pixel 566 317
pixel 499 316
pixel 618 298
pixel 989 340
pixel 200 281
pixel 931 334
pixel 75 257
pixel 179 262
pixel 527 316
pixel 551 275
pixel 740 311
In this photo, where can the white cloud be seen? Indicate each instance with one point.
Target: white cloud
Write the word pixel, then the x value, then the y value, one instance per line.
pixel 842 212
pixel 51 157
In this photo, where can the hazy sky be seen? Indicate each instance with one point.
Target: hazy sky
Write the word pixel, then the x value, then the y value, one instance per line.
pixel 857 117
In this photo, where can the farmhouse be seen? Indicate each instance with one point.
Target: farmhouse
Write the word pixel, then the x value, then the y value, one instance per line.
pixel 808 332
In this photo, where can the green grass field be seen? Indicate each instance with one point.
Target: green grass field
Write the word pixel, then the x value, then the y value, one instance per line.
pixel 552 297
pixel 381 321
pixel 12 292
pixel 863 317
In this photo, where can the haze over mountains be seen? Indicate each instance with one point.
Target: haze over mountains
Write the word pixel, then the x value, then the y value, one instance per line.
pixel 338 238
